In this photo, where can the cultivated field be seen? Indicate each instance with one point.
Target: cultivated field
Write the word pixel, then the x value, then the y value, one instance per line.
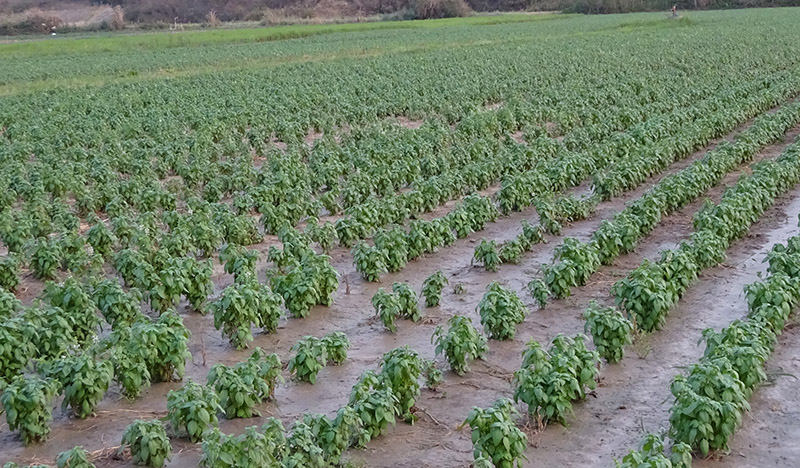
pixel 381 245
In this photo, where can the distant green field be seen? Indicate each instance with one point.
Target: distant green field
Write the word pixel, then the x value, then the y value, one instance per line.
pixel 111 42
pixel 42 64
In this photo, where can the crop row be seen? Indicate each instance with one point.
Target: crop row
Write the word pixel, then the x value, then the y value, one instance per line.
pixel 377 399
pixel 648 292
pixel 711 398
pixel 661 136
pixel 567 209
pixel 550 380
pixel 576 261
pixel 490 163
pixel 369 259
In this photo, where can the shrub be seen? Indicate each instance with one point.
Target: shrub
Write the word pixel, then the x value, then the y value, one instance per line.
pixel 101 239
pixel 610 330
pixel 432 288
pixel 486 254
pixel 369 261
pixel 500 310
pixel 495 437
pixel 531 235
pixel 708 406
pixel 130 370
pixel 336 346
pixel 432 9
pixel 511 251
pixel 302 448
pixel 134 269
pixel 394 248
pixel 559 278
pixel 212 20
pixel 433 376
pixel 252 449
pixel 310 356
pixel 651 453
pixel 549 381
pixel 581 257
pixel 170 284
pixel 239 261
pixel 402 368
pixel 311 282
pixel 539 291
pixel 118 18
pixel 242 306
pixel 52 333
pixel 198 285
pixel 324 235
pixel 74 255
pixel 387 307
pixel 84 380
pixel 646 296
pixel 334 436
pixel 407 301
pixel 45 257
pixel 9 305
pixel 245 385
pixel 75 457
pixel 9 272
pixel 461 344
pixel 77 306
pixel 27 404
pixel 148 443
pixel 193 408
pixel 375 403
pixel 162 345
pixel 117 306
pixel 746 345
pixel 35 21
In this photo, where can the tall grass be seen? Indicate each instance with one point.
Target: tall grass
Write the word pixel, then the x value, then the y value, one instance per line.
pixel 118 18
pixel 212 20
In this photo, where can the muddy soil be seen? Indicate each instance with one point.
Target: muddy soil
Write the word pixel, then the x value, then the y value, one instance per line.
pixel 769 433
pixel 632 397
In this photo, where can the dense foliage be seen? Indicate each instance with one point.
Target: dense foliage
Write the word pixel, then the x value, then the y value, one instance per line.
pixel 460 344
pixel 550 380
pixel 247 384
pixel 148 443
pixel 610 331
pixel 495 437
pixel 137 182
pixel 432 288
pixel 193 409
pixel 310 355
pixel 711 398
pixel 27 404
pixel 244 305
pixel 501 311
